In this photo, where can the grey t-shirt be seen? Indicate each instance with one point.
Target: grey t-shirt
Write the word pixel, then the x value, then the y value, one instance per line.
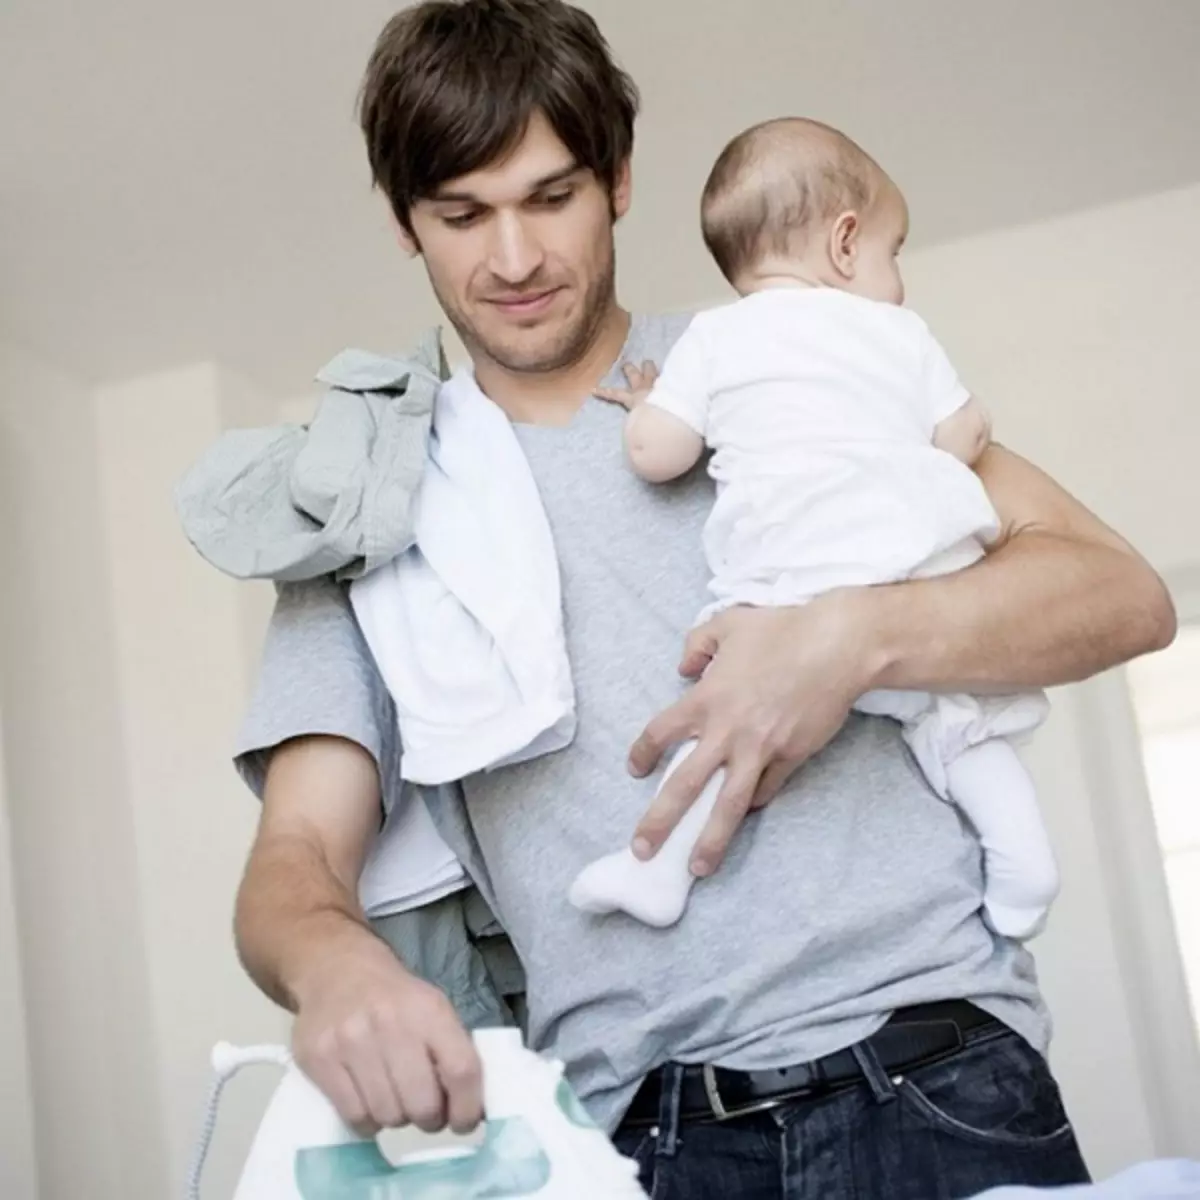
pixel 856 892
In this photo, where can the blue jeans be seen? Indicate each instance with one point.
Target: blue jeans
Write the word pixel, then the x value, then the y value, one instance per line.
pixel 991 1114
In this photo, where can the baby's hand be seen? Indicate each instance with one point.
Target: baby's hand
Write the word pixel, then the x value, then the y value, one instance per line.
pixel 641 380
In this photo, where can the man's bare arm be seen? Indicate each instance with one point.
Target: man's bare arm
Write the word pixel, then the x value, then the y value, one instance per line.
pixel 1059 598
pixel 298 897
pixel 385 1046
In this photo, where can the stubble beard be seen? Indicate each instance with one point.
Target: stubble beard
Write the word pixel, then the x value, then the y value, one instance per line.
pixel 565 346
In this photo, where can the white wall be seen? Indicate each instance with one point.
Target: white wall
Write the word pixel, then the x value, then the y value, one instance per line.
pixel 125 666
pixel 92 1052
pixel 18 1161
pixel 1081 335
pixel 182 675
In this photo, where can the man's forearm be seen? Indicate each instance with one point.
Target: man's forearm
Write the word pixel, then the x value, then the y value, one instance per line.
pixel 1061 599
pixel 1038 613
pixel 294 918
pixel 297 908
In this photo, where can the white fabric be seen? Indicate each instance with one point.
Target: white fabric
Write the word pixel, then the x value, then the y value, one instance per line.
pixel 938 728
pixel 990 784
pixel 409 864
pixel 466 630
pixel 820 408
pixel 466 627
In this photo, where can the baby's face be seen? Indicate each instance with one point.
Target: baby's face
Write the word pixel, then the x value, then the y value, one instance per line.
pixel 882 233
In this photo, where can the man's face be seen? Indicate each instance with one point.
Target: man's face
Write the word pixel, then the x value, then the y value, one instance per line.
pixel 520 253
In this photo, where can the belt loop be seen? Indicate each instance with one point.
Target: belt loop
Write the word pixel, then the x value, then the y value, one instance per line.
pixel 667 1143
pixel 882 1089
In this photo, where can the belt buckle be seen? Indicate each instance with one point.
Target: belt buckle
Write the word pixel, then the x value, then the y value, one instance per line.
pixel 719 1110
pixel 709 1075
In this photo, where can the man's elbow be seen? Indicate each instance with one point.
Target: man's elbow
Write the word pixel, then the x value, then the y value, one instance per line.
pixel 1164 620
pixel 1156 619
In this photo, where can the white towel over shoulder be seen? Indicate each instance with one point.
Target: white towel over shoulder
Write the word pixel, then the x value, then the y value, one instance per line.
pixel 466 627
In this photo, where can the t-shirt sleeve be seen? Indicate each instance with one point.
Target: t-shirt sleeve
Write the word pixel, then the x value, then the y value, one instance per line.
pixel 684 385
pixel 317 677
pixel 942 392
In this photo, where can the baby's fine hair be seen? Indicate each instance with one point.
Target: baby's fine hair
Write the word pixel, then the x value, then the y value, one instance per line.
pixel 777 181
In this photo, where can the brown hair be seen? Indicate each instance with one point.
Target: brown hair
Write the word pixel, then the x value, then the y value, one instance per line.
pixel 772 182
pixel 452 84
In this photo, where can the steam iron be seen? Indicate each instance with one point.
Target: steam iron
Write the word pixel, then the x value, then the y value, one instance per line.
pixel 538 1141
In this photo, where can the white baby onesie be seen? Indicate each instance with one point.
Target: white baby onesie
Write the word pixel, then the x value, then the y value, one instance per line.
pixel 820 409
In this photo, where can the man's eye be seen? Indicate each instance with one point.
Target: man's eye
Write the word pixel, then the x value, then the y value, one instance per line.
pixel 460 220
pixel 556 199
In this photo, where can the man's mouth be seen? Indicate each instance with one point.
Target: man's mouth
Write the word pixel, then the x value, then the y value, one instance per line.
pixel 525 304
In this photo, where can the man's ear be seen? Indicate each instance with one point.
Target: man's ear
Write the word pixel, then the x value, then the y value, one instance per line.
pixel 843 244
pixel 622 192
pixel 405 237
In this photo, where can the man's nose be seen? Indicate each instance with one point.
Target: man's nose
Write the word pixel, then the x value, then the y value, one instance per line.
pixel 516 253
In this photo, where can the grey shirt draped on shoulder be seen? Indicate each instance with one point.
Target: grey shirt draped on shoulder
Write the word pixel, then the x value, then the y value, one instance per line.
pixel 312 508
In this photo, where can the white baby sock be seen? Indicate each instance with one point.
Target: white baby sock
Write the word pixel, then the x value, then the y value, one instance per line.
pixel 991 785
pixel 654 892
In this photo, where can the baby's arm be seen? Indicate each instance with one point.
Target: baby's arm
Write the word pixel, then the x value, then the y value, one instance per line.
pixel 961 424
pixel 661 447
pixel 965 433
pixel 664 433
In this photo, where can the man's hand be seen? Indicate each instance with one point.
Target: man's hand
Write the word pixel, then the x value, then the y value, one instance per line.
pixel 386 1047
pixel 641 382
pixel 775 686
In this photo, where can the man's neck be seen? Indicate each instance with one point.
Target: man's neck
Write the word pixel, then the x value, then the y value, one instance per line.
pixel 554 397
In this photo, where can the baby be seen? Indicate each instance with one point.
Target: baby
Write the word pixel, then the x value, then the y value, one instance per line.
pixel 842 445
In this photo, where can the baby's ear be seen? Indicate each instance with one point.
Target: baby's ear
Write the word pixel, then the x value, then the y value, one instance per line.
pixel 843 244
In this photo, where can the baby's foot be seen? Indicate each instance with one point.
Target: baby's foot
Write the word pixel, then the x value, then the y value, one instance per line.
pixel 1010 921
pixel 654 892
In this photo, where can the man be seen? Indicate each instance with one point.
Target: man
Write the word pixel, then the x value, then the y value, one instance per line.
pixel 849 1024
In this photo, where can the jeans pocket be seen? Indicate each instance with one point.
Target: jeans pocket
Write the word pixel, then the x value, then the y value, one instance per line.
pixel 996 1092
pixel 640 1145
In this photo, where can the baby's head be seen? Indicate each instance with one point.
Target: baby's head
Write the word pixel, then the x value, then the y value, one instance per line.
pixel 793 200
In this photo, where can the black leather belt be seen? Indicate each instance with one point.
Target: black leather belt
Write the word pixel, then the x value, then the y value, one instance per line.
pixel 914 1037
